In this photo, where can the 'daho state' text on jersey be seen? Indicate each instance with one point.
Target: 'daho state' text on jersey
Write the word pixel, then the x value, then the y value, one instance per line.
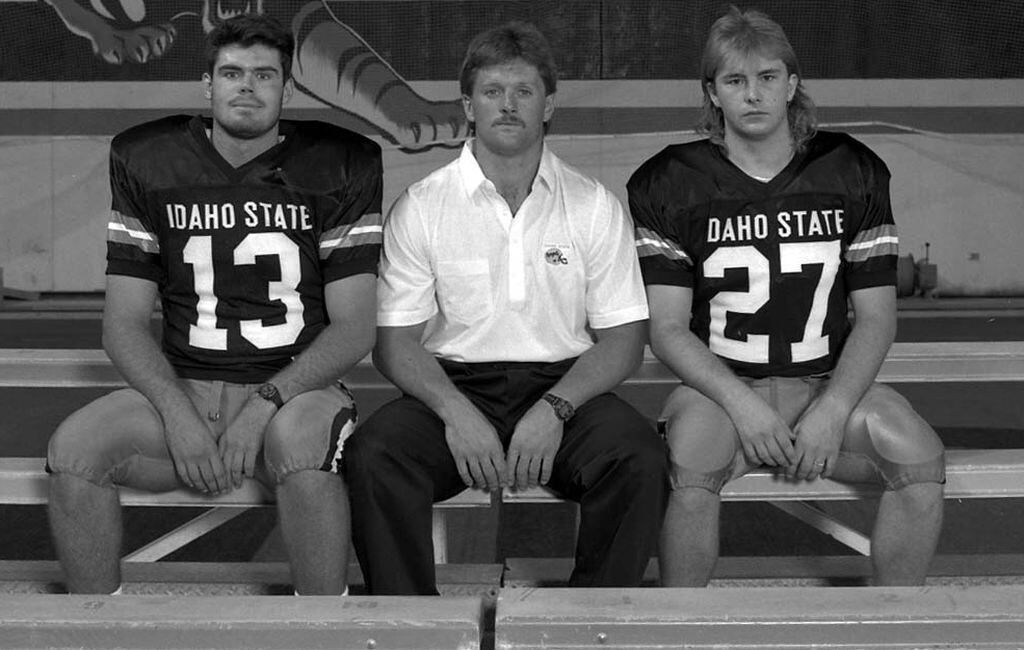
pixel 241 255
pixel 771 264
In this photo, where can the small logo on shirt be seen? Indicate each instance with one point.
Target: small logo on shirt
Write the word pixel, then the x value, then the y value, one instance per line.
pixel 555 256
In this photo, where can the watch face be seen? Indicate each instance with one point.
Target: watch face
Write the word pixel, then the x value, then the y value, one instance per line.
pixel 270 393
pixel 563 409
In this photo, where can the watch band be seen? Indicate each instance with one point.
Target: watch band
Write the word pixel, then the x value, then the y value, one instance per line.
pixel 269 392
pixel 564 410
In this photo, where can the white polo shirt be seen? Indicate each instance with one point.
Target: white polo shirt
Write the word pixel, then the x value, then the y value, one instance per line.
pixel 498 288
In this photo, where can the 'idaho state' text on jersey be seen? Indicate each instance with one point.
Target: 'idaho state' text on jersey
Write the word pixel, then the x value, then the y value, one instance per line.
pixel 241 256
pixel 771 264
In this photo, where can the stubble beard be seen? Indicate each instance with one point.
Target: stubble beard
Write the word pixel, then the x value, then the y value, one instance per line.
pixel 243 129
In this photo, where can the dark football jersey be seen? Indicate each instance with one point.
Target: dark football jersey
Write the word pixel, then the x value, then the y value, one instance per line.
pixel 241 255
pixel 771 264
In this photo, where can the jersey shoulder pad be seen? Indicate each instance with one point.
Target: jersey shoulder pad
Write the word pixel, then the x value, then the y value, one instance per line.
pixel 146 148
pixel 329 138
pixel 142 137
pixel 844 144
pixel 674 163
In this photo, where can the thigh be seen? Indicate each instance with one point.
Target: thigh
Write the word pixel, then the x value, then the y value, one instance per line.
pixel 604 430
pixel 404 433
pixel 309 432
pixel 116 439
pixel 886 440
pixel 704 447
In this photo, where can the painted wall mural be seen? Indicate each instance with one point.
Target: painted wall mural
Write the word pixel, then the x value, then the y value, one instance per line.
pixel 936 88
pixel 332 62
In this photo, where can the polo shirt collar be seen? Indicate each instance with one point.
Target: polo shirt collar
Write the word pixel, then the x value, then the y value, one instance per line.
pixel 474 178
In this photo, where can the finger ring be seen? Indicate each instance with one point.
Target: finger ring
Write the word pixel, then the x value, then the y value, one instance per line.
pixel 818 463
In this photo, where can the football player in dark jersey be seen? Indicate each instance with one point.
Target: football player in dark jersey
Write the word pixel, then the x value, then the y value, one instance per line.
pixel 260 237
pixel 752 243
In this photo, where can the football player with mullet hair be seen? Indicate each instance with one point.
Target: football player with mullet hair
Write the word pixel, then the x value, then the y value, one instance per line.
pixel 260 237
pixel 752 243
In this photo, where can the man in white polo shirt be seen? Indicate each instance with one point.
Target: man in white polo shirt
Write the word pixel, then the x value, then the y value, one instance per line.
pixel 510 303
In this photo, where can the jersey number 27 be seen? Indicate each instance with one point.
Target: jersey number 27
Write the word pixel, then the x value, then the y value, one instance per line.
pixel 793 257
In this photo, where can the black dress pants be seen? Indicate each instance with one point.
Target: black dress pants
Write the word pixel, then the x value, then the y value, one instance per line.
pixel 610 461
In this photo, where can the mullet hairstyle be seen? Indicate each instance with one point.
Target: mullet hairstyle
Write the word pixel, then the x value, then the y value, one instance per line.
pixel 746 33
pixel 246 30
pixel 504 44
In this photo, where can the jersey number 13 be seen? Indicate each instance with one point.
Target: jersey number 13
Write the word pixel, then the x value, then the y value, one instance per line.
pixel 204 333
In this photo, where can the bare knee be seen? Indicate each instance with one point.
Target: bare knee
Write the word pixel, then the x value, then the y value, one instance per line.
pixel 311 486
pixel 64 484
pixel 919 497
pixel 695 501
pixel 73 496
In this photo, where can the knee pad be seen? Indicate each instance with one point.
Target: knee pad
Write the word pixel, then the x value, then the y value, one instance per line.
pixel 702 440
pixel 70 453
pixel 905 447
pixel 91 442
pixel 309 434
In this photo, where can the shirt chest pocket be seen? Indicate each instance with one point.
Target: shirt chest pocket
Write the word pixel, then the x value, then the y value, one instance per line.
pixel 464 290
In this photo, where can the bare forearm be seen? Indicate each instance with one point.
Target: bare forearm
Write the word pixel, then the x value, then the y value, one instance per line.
pixel 408 365
pixel 695 365
pixel 332 354
pixel 341 344
pixel 862 356
pixel 139 359
pixel 610 361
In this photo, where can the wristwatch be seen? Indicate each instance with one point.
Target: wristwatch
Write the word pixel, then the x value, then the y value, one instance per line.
pixel 269 392
pixel 564 410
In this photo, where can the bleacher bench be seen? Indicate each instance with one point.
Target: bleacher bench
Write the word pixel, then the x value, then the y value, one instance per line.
pixel 242 622
pixel 977 473
pixel 863 617
pixel 767 617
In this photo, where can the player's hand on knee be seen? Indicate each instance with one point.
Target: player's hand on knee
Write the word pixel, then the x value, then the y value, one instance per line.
pixel 819 434
pixel 475 446
pixel 531 453
pixel 242 441
pixel 764 436
pixel 194 452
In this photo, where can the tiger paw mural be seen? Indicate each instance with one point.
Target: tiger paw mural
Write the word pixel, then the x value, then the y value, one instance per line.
pixel 333 64
pixel 112 44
